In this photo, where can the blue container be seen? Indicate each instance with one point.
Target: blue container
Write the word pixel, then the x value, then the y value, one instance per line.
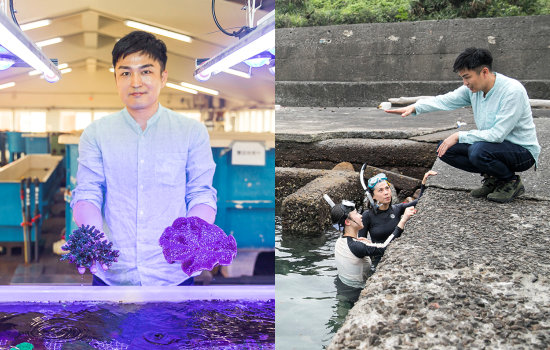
pixel 16 144
pixel 246 200
pixel 10 205
pixel 37 144
pixel 71 156
pixel 246 197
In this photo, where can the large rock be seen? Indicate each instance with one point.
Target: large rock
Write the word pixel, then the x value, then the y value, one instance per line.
pixel 290 180
pixel 306 212
pixel 379 153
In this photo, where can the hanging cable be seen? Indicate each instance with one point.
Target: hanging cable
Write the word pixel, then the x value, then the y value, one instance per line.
pixel 12 10
pixel 237 33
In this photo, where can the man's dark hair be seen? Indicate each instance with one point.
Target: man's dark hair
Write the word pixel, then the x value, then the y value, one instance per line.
pixel 474 59
pixel 140 41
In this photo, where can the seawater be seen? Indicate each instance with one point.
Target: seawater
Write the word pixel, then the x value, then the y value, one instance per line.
pixel 311 303
pixel 215 324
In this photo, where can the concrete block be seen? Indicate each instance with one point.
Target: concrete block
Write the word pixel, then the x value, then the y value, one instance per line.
pixel 306 212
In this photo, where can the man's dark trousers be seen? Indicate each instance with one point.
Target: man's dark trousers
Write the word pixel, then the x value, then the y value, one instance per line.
pixel 501 160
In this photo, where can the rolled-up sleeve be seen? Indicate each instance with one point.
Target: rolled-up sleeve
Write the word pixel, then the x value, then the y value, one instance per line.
pixel 447 102
pixel 200 172
pixel 90 177
pixel 511 109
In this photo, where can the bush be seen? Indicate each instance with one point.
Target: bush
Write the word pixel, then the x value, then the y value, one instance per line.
pixel 305 13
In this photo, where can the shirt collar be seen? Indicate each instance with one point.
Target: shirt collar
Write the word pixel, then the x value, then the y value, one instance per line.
pixel 152 121
pixel 497 82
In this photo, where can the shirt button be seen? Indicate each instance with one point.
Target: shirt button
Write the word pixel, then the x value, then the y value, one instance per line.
pixel 141 161
pixel 141 212
pixel 142 137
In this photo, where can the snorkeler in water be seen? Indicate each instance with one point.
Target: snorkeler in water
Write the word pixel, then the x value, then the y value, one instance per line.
pixel 352 252
pixel 383 219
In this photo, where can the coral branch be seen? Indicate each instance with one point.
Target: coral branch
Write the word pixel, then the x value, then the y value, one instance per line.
pixel 86 246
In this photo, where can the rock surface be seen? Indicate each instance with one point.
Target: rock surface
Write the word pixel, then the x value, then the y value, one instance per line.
pixel 450 284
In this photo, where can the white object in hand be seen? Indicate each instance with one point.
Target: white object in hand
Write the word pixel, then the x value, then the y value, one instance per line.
pixel 385 105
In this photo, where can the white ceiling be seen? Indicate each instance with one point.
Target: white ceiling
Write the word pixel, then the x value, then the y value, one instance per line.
pixel 90 29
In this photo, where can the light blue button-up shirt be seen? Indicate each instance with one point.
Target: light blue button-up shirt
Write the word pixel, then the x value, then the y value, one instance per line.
pixel 503 114
pixel 142 181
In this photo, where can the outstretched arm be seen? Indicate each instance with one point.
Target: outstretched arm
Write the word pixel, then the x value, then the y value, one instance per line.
pixel 447 102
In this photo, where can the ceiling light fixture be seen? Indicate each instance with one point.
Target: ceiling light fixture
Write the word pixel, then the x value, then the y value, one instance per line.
pixel 181 88
pixel 200 88
pixel 237 73
pixel 49 42
pixel 261 39
pixel 5 86
pixel 159 31
pixel 6 63
pixel 37 24
pixel 61 66
pixel 19 44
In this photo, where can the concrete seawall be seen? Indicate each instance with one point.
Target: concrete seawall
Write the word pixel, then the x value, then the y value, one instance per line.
pixel 363 64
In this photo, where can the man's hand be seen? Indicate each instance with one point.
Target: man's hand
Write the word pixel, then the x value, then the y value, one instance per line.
pixel 429 173
pixel 93 268
pixel 448 143
pixel 403 111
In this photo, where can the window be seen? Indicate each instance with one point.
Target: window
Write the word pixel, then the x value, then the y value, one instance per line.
pixel 30 121
pixel 6 120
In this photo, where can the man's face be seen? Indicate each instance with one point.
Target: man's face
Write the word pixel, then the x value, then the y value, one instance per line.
pixel 356 219
pixel 474 81
pixel 139 80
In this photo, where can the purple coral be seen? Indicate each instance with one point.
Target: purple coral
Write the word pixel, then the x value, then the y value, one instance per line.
pixel 197 244
pixel 85 246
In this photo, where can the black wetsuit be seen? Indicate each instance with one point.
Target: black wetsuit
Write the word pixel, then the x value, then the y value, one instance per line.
pixel 382 224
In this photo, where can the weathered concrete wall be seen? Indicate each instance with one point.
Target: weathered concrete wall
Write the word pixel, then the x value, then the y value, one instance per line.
pixel 467 274
pixel 363 64
pixel 410 157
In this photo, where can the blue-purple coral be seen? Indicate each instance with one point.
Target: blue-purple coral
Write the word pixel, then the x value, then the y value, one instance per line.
pixel 197 245
pixel 85 246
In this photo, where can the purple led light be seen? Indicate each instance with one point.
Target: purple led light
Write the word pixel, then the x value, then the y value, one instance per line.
pixel 197 245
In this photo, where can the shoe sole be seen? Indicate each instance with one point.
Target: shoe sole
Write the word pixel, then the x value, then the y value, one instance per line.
pixel 518 193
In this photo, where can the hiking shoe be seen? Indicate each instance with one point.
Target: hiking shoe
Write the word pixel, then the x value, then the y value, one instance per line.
pixel 507 191
pixel 488 185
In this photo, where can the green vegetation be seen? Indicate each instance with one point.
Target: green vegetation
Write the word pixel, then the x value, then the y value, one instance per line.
pixel 306 13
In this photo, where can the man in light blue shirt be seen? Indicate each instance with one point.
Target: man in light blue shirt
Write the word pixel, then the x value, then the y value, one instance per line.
pixel 142 168
pixel 506 139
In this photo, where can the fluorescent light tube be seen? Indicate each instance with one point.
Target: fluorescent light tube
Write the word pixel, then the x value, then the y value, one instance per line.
pixel 16 42
pixel 237 73
pixel 67 70
pixel 49 42
pixel 181 88
pixel 257 41
pixel 37 24
pixel 5 86
pixel 200 88
pixel 158 31
pixel 112 70
pixel 61 66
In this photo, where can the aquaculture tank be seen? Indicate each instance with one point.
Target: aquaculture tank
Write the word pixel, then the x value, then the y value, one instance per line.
pixel 197 317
